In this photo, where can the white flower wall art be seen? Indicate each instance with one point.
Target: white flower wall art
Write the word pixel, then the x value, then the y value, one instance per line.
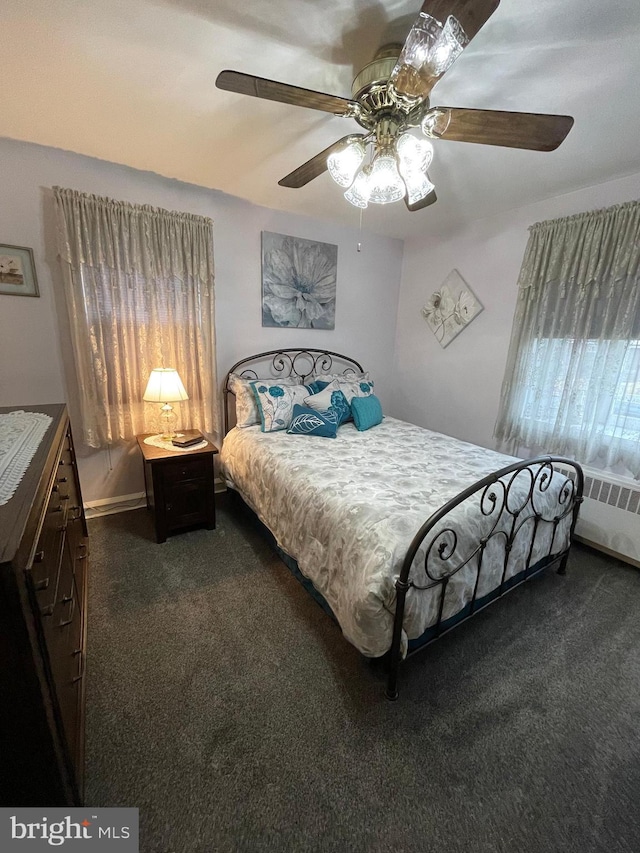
pixel 451 309
pixel 298 282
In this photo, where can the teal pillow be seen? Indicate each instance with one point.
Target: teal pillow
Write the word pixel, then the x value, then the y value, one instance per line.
pixel 316 386
pixel 366 411
pixel 306 421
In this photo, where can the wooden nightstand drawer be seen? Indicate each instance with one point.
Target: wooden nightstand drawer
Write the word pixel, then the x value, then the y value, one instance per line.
pixel 187 469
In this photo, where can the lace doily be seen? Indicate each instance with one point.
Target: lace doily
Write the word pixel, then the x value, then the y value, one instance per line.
pixel 165 444
pixel 20 435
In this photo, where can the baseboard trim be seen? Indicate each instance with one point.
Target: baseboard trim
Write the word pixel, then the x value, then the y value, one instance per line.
pixel 608 551
pixel 126 503
pixel 110 506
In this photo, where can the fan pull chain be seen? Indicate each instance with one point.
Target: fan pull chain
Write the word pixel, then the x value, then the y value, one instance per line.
pixel 359 246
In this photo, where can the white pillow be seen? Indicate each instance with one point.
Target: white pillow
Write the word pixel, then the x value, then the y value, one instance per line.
pixel 342 377
pixel 247 413
pixel 322 400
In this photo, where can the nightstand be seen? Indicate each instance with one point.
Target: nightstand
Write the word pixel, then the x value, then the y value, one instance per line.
pixel 179 486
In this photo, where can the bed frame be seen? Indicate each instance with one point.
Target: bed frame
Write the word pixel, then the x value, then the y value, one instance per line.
pixel 493 497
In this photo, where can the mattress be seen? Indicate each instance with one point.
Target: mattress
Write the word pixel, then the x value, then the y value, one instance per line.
pixel 346 510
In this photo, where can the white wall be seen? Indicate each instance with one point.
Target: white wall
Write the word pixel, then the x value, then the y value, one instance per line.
pixel 35 364
pixel 457 390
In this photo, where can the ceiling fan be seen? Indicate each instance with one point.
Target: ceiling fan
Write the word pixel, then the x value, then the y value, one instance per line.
pixel 390 99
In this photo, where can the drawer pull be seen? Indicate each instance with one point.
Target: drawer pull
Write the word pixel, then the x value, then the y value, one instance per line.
pixel 55 489
pixel 64 497
pixel 62 479
pixel 77 512
pixel 38 557
pixel 80 675
pixel 61 462
pixel 65 623
pixel 41 585
pixel 76 652
pixel 61 528
pixel 57 509
pixel 47 611
pixel 67 599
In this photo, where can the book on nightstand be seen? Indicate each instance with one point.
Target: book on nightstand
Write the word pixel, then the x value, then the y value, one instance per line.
pixel 187 440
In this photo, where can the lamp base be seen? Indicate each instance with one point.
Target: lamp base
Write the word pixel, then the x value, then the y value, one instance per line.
pixel 168 421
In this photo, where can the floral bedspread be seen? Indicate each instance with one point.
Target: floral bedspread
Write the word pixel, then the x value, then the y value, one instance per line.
pixel 346 510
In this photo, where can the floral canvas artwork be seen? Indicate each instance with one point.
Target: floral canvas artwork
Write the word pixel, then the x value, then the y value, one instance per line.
pixel 451 309
pixel 298 282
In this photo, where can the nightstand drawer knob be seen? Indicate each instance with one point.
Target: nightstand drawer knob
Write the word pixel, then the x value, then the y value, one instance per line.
pixel 38 557
pixel 41 585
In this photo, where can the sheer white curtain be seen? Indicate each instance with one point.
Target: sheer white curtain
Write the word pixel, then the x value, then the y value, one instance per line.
pixel 572 383
pixel 139 287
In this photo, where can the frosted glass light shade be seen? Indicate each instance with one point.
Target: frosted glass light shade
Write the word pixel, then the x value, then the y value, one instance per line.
pixel 385 183
pixel 359 192
pixel 416 153
pixel 417 183
pixel 164 386
pixel 344 164
pixel 429 50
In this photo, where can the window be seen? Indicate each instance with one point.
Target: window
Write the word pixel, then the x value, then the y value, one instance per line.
pixel 139 288
pixel 572 383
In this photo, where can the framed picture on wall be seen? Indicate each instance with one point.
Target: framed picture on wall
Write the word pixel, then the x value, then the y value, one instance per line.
pixel 298 282
pixel 17 271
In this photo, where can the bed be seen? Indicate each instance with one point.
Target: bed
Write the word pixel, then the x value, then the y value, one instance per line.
pixel 401 533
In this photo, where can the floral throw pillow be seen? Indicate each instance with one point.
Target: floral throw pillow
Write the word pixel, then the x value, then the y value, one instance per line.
pixel 351 384
pixel 331 398
pixel 355 388
pixel 276 402
pixel 247 413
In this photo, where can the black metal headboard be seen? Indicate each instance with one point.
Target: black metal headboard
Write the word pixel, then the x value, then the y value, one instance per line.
pixel 284 363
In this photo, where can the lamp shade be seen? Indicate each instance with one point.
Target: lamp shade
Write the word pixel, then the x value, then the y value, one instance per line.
pixel 164 386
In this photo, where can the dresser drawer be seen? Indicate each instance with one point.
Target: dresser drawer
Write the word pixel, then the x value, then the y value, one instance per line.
pixel 188 469
pixel 48 553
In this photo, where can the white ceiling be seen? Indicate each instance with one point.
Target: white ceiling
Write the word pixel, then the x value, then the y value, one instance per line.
pixel 132 81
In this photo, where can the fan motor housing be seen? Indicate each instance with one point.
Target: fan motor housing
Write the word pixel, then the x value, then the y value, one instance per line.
pixel 377 72
pixel 370 90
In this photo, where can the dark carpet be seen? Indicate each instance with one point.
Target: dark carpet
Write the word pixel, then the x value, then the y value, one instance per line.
pixel 226 706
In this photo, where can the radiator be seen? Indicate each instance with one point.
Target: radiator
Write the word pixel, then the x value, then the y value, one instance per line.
pixel 610 515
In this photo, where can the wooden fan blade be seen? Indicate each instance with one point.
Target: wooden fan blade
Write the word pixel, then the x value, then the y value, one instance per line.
pixel 314 167
pixel 472 15
pixel 534 131
pixel 431 198
pixel 271 90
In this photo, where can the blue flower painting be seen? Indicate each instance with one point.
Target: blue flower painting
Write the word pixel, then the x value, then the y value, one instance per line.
pixel 298 282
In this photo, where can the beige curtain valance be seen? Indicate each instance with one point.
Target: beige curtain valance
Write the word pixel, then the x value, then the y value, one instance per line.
pixel 597 249
pixel 136 239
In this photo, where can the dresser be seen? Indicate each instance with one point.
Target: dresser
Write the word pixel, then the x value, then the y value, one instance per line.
pixel 44 551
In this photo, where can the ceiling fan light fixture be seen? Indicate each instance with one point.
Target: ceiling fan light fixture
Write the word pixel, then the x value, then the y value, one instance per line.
pixel 359 192
pixel 429 50
pixel 385 182
pixel 417 183
pixel 417 153
pixel 344 163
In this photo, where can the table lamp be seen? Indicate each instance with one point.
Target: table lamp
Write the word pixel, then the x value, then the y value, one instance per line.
pixel 165 386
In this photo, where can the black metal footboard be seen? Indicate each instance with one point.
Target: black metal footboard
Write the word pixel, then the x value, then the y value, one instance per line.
pixel 510 502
